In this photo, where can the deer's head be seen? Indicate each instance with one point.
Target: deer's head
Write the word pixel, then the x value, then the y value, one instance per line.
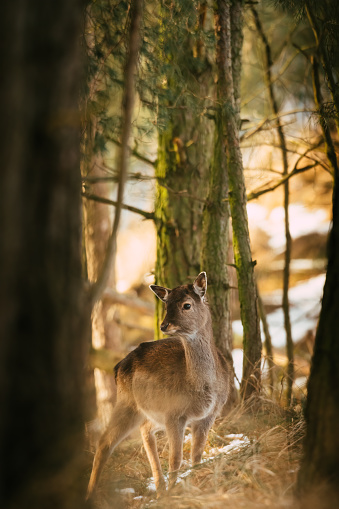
pixel 186 308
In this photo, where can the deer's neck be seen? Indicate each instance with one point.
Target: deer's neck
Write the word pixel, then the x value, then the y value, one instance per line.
pixel 200 355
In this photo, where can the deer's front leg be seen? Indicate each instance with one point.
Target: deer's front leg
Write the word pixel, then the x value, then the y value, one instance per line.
pixel 147 432
pixel 200 431
pixel 175 429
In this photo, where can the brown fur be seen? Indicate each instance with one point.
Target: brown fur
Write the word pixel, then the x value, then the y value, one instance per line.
pixel 169 384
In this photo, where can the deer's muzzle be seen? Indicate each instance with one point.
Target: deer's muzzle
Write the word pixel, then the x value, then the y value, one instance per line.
pixel 164 326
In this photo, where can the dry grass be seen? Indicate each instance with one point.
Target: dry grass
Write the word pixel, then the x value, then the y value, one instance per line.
pixel 260 473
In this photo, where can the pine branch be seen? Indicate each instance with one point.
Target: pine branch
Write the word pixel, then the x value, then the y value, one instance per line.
pixel 144 213
pixel 323 50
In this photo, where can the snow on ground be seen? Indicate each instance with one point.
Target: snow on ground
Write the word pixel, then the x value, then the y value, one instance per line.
pixel 237 442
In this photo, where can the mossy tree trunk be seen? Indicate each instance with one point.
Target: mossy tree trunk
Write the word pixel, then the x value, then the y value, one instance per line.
pixel 229 27
pixel 44 323
pixel 184 157
pixel 182 174
pixel 215 244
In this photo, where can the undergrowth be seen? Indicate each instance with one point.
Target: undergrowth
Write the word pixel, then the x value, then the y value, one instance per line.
pixel 260 472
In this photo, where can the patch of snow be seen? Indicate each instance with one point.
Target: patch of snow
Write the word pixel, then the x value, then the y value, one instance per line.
pixel 305 303
pixel 126 491
pixel 151 484
pixel 235 445
pixel 188 438
pixel 237 355
pixel 302 222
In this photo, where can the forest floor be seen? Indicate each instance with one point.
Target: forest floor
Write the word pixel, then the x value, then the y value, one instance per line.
pixel 251 461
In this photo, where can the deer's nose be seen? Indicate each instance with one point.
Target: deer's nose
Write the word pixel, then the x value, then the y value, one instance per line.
pixel 164 326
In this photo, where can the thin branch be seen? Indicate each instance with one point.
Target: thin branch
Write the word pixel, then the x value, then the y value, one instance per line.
pixel 255 194
pixel 127 103
pixel 320 163
pixel 145 307
pixel 271 118
pixel 114 178
pixel 182 193
pixel 103 359
pixel 135 153
pixel 94 197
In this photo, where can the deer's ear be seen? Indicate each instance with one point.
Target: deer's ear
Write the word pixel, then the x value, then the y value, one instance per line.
pixel 161 292
pixel 200 285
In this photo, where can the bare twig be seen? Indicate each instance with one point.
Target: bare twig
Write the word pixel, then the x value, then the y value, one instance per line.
pixel 268 63
pixel 272 118
pixel 103 359
pixel 146 215
pixel 136 303
pixel 135 153
pixel 296 171
pixel 182 193
pixel 114 178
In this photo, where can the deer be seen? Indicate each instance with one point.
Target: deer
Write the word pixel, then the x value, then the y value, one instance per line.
pixel 169 384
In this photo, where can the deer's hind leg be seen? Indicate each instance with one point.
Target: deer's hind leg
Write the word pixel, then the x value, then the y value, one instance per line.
pixel 147 432
pixel 124 419
pixel 200 431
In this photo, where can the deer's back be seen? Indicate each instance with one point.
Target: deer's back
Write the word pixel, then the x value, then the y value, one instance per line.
pixel 162 359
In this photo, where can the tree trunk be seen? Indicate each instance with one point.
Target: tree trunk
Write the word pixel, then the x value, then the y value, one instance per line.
pixel 215 246
pixel 184 155
pixel 237 196
pixel 318 479
pixel 44 326
pixel 319 473
pixel 101 239
pixel 268 64
pixel 105 332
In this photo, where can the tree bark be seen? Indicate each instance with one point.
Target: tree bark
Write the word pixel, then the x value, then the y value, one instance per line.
pixel 44 326
pixel 318 480
pixel 319 474
pixel 105 333
pixel 251 381
pixel 101 237
pixel 184 154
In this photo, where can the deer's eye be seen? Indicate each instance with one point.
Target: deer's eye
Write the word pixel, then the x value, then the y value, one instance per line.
pixel 187 306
